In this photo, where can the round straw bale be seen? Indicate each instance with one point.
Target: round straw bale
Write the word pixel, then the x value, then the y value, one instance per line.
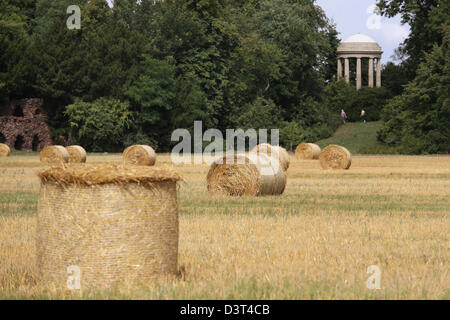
pixel 4 150
pixel 275 151
pixel 76 154
pixel 54 155
pixel 246 175
pixel 335 157
pixel 307 151
pixel 142 155
pixel 114 223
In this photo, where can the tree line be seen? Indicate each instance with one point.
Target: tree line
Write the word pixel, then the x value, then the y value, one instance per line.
pixel 417 118
pixel 137 71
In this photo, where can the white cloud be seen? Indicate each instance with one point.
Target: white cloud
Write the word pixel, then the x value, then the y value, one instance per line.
pixel 393 34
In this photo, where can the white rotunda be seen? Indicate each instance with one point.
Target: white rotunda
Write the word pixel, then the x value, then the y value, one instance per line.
pixel 360 46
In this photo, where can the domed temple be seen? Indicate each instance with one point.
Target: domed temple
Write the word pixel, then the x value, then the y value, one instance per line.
pixel 359 47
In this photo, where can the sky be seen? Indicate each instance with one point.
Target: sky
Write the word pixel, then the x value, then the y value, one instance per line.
pixel 357 16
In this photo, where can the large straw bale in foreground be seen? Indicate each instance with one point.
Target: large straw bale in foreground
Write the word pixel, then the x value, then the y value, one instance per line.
pixel 307 151
pixel 142 155
pixel 275 151
pixel 76 154
pixel 114 223
pixel 54 155
pixel 335 157
pixel 4 150
pixel 246 175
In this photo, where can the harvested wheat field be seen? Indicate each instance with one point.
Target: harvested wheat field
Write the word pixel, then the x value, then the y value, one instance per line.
pixel 315 241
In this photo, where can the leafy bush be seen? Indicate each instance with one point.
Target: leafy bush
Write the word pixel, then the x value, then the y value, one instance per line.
pixel 322 131
pixel 340 95
pixel 261 114
pixel 292 134
pixel 372 100
pixel 139 137
pixel 99 125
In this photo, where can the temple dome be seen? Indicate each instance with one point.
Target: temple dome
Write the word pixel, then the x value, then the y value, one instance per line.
pixel 359 44
pixel 359 38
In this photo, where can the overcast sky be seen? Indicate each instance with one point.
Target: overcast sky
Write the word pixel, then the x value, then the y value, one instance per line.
pixel 356 16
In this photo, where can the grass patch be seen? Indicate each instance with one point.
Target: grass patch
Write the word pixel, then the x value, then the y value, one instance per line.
pixel 359 138
pixel 18 203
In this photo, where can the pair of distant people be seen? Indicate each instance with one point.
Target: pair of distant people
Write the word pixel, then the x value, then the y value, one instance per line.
pixel 344 116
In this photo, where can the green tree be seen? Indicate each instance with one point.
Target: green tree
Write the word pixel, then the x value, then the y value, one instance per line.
pixel 394 78
pixel 225 62
pixel 426 19
pixel 339 96
pixel 99 125
pixel 417 121
pixel 261 114
pixel 200 41
pixel 256 66
pixel 372 100
pixel 100 60
pixel 152 96
pixel 292 134
pixel 14 41
pixel 303 33
pixel 190 104
pixel 48 10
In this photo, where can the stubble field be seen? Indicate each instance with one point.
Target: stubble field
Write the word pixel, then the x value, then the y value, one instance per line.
pixel 316 241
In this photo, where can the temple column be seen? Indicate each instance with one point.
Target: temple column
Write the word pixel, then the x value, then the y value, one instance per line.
pixel 339 68
pixel 347 71
pixel 378 72
pixel 370 73
pixel 358 73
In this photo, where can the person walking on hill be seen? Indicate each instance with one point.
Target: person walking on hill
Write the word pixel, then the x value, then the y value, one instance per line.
pixel 363 115
pixel 343 115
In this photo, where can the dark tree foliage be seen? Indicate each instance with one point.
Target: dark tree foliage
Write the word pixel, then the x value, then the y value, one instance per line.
pixel 165 64
pixel 417 121
pixel 425 18
pixel 101 124
pixel 16 18
pixel 342 96
pixel 394 78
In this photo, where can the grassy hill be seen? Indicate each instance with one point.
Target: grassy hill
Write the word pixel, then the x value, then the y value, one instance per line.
pixel 358 138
